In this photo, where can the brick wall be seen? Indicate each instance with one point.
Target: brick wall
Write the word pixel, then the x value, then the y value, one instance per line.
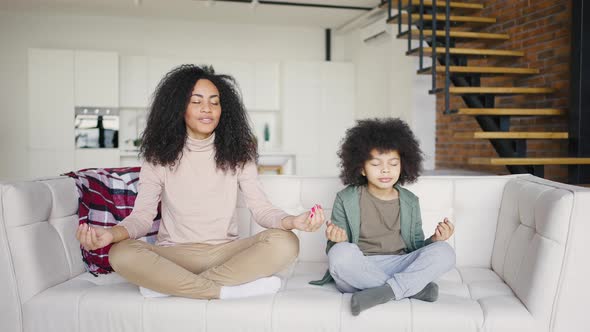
pixel 540 28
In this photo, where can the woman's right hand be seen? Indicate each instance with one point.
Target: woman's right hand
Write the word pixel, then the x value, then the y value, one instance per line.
pixel 92 238
pixel 335 233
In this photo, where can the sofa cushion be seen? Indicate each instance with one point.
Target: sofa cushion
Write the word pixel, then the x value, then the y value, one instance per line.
pixel 106 197
pixel 471 299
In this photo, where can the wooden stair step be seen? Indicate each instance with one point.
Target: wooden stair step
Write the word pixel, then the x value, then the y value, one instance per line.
pixel 528 161
pixel 456 34
pixel 442 17
pixel 468 51
pixel 511 135
pixel 498 90
pixel 440 3
pixel 510 111
pixel 482 70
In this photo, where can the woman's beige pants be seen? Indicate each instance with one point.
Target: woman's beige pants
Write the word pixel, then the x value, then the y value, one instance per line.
pixel 199 270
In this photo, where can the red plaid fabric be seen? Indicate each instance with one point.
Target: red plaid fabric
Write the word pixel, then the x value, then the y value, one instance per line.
pixel 106 197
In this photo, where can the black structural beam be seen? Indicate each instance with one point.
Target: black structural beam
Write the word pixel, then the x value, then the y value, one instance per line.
pixel 301 4
pixel 328 45
pixel 579 112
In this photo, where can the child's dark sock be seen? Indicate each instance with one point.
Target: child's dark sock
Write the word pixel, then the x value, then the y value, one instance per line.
pixel 370 297
pixel 428 294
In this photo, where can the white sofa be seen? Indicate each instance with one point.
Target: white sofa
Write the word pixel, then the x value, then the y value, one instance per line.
pixel 521 244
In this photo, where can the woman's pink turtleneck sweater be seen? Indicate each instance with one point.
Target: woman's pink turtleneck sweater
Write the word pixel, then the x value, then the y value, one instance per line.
pixel 198 200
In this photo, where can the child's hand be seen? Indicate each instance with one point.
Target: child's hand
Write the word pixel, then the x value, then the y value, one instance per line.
pixel 443 231
pixel 335 233
pixel 309 221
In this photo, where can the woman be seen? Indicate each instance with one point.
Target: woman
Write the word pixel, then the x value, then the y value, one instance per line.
pixel 198 150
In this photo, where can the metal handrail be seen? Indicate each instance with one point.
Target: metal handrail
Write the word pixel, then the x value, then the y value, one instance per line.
pixel 399 14
pixel 447 55
pixel 409 24
pixel 434 44
pixel 421 45
pixel 388 10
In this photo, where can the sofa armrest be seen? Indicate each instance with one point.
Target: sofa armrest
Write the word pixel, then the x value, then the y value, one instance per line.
pixel 37 242
pixel 541 250
pixel 570 311
pixel 10 304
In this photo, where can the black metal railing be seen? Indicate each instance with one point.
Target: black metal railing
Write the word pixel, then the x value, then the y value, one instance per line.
pixel 441 56
pixel 421 43
pixel 433 40
pixel 447 55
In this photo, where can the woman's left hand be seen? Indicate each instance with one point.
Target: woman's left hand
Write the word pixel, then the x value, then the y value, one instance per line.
pixel 443 231
pixel 309 221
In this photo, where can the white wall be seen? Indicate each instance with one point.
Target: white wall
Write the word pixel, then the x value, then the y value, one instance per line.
pixel 388 86
pixel 386 83
pixel 127 36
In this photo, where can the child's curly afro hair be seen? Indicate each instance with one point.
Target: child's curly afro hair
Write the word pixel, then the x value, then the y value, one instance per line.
pixel 382 134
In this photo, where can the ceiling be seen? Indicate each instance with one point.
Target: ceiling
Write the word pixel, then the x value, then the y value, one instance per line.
pixel 204 10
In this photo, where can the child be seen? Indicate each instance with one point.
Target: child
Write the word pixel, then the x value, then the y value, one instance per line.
pixel 376 247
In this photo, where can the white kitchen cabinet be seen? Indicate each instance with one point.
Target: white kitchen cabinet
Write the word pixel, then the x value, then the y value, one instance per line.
pixel 267 94
pixel 96 158
pixel 130 159
pixel 337 114
pixel 259 82
pixel 127 129
pixel 243 72
pixel 50 111
pixel 133 87
pixel 51 99
pixel 50 162
pixel 158 68
pixel 318 107
pixel 132 124
pixel 96 78
pixel 302 104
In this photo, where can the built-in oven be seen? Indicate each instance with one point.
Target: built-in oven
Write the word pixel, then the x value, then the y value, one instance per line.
pixel 96 128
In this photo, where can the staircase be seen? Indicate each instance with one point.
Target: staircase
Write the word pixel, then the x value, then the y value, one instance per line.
pixel 445 31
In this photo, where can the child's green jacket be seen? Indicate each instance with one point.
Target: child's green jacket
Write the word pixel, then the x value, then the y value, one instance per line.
pixel 346 214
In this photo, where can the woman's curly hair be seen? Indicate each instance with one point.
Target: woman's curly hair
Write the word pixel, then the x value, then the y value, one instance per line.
pixel 383 135
pixel 165 134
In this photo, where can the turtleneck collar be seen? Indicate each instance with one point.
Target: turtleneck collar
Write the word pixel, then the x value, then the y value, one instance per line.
pixel 199 145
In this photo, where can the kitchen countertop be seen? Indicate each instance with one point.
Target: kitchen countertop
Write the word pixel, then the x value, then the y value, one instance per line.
pixel 134 153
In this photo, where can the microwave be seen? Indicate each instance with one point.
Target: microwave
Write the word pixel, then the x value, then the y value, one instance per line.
pixel 96 128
